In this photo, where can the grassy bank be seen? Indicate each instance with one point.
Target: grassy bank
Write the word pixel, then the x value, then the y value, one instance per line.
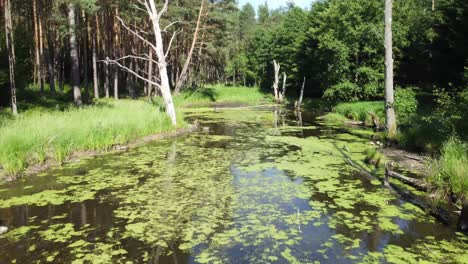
pixel 449 172
pixel 359 111
pixel 37 136
pixel 223 94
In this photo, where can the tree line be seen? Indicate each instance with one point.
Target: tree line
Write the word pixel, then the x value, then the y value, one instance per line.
pixel 104 48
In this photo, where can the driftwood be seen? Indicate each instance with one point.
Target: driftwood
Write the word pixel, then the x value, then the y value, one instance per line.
pixel 375 120
pixel 439 213
pixel 413 158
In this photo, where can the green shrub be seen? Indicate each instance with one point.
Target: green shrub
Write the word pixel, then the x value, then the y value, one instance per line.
pixel 406 105
pixel 343 92
pixel 449 173
pixel 374 157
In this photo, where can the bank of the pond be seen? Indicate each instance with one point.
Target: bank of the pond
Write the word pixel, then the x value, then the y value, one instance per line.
pixel 37 137
pixel 446 173
pixel 41 137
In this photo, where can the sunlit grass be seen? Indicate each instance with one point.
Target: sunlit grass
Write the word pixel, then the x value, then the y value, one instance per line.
pixel 222 94
pixel 450 171
pixel 36 136
pixel 359 111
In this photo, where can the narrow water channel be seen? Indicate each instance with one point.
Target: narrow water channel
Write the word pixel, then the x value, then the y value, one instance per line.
pixel 253 186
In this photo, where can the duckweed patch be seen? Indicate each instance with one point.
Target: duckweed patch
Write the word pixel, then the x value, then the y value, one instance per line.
pixel 245 190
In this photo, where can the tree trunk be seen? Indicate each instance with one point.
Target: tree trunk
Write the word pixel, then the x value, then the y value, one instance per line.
pixel 36 44
pixel 50 61
pixel 105 48
pixel 75 67
pixel 283 95
pixel 150 73
pixel 301 95
pixel 41 54
pixel 116 54
pixel 116 83
pixel 390 125
pixel 95 69
pixel 11 54
pixel 85 54
pixel 183 74
pixel 276 83
pixel 162 65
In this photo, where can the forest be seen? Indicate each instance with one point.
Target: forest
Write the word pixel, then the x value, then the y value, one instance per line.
pixel 210 131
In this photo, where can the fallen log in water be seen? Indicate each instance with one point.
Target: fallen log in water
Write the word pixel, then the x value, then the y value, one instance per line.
pixel 440 214
pixel 416 183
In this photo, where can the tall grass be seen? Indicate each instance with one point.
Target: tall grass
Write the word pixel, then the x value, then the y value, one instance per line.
pixel 449 173
pixel 36 136
pixel 359 111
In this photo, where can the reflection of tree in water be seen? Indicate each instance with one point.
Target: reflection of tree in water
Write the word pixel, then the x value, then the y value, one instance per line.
pixel 184 205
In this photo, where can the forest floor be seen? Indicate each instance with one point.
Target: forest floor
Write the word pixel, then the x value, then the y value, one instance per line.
pixel 51 135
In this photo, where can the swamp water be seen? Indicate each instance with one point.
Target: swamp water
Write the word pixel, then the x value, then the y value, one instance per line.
pixel 256 188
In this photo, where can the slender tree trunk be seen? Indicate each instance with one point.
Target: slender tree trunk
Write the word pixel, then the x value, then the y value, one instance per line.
pixel 116 54
pixel 106 52
pixel 95 68
pixel 116 82
pixel 276 83
pixel 183 74
pixel 85 54
pixel 50 61
pixel 150 73
pixel 391 124
pixel 61 69
pixel 41 54
pixel 75 67
pixel 36 44
pixel 11 54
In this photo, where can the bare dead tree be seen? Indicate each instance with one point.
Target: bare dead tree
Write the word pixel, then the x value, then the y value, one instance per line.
pixel 276 83
pixel 390 121
pixel 183 73
pixel 298 103
pixel 158 47
pixel 283 94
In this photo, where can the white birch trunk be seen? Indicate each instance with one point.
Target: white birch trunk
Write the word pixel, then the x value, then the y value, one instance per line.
pixel 161 56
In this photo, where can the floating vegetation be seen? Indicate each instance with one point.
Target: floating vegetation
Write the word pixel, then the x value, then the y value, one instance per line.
pixel 235 192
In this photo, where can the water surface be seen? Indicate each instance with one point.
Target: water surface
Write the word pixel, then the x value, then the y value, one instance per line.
pixel 254 186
